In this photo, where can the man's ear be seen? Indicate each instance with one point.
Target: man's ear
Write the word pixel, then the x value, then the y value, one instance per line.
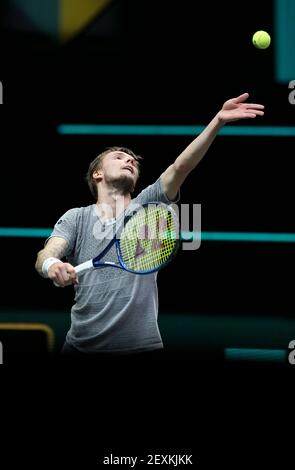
pixel 97 174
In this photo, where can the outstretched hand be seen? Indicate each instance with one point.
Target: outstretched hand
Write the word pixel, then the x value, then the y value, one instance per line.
pixel 236 108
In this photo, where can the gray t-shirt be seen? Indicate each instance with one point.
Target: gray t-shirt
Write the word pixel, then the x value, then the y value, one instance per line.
pixel 114 310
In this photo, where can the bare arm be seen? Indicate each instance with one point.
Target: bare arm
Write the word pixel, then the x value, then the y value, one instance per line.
pixel 232 110
pixel 61 273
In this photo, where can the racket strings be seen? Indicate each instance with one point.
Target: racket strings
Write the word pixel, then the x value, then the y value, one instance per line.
pixel 148 239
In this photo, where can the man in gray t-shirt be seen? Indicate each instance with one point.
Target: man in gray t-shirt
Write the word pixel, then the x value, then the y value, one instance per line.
pixel 116 311
pixel 108 312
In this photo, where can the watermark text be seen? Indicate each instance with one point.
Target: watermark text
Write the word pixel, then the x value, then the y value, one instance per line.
pixel 292 93
pixel 152 221
pixel 291 357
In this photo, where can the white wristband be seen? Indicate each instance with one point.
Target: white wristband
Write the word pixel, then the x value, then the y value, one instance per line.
pixel 47 263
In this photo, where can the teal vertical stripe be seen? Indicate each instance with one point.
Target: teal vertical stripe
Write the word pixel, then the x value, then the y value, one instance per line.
pixel 284 40
pixel 166 130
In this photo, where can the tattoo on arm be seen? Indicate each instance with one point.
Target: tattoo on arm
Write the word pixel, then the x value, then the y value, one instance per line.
pixel 56 247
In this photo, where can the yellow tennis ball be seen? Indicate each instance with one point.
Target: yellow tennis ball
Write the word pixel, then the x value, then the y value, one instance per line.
pixel 261 39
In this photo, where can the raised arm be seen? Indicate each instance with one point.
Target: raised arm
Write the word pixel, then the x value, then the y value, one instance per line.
pixel 232 110
pixel 61 273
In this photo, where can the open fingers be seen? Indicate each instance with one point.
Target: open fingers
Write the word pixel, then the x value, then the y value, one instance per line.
pixel 256 112
pixel 254 106
pixel 247 115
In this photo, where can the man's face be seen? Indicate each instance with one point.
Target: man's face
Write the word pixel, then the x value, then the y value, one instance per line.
pixel 119 170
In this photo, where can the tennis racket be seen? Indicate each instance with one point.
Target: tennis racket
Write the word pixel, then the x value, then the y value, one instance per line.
pixel 148 241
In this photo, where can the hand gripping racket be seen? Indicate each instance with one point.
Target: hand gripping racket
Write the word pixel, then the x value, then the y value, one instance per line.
pixel 148 241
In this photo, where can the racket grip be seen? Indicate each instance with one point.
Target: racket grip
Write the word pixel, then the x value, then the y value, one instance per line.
pixel 83 267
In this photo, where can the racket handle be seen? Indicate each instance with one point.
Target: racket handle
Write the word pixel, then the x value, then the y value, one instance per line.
pixel 83 267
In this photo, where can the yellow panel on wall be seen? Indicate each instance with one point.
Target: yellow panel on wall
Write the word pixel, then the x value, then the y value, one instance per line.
pixel 74 15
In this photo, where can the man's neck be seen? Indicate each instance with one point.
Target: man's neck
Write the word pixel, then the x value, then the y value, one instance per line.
pixel 111 203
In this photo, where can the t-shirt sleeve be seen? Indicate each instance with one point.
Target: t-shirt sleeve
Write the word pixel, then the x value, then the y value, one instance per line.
pixel 66 227
pixel 155 192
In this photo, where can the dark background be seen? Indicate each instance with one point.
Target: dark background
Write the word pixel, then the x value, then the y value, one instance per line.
pixel 152 63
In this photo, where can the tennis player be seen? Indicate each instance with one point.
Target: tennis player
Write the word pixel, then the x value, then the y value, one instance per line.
pixel 116 312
